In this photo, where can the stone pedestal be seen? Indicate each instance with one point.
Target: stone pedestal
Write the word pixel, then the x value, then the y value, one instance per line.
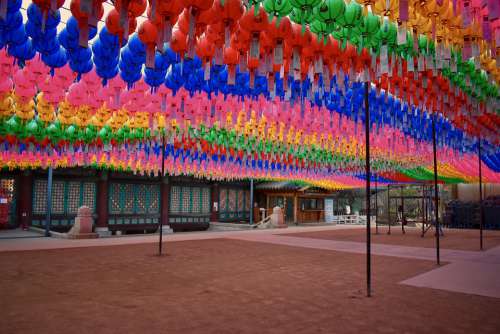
pixel 103 232
pixel 277 218
pixel 82 228
pixel 166 229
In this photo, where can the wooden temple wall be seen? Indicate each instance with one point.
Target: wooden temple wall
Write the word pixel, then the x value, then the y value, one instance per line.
pixel 120 201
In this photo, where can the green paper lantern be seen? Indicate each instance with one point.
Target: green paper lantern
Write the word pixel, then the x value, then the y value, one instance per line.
pixel 301 17
pixel 329 12
pixel 352 15
pixel 303 11
pixel 320 29
pixel 305 5
pixel 105 134
pixel 343 35
pixel 406 50
pixel 54 131
pixel 366 31
pixel 71 133
pixel 32 128
pixel 347 22
pixel 13 125
pixel 425 45
pixel 3 126
pixel 90 134
pixel 278 8
pixel 119 135
pixel 387 34
pixel 139 133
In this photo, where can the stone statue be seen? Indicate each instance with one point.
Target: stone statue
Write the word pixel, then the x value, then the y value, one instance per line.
pixel 82 228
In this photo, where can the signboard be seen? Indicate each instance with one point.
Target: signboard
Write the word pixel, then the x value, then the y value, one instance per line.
pixel 329 210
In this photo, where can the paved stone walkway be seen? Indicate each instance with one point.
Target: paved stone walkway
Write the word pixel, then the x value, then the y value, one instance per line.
pixel 419 253
pixel 479 275
pixel 18 233
pixel 462 271
pixel 56 243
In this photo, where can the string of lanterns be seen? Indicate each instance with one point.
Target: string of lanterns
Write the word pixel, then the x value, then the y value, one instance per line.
pixel 197 68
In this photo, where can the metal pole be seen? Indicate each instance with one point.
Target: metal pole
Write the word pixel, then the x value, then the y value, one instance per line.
pixel 49 203
pixel 162 194
pixel 481 213
pixel 436 199
pixel 427 200
pixel 376 204
pixel 368 213
pixel 251 201
pixel 402 211
pixel 389 208
pixel 423 210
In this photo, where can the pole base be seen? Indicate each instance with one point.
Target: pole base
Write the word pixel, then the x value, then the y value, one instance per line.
pixel 102 232
pixel 166 229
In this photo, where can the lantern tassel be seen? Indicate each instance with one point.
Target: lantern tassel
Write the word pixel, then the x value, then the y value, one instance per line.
pixel 3 9
pixel 83 37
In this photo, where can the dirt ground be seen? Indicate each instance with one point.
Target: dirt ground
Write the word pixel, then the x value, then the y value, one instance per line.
pixel 226 286
pixel 453 239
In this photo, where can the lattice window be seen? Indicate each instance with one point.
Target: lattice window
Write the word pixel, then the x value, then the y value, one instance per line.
pixel 127 192
pixel 58 197
pixel 67 196
pixel 89 193
pixel 175 199
pixel 7 188
pixel 142 198
pixel 248 205
pixel 205 200
pixel 114 198
pixel 196 195
pixel 232 200
pixel 186 200
pixel 73 197
pixel 39 197
pixel 189 200
pixel 240 201
pixel 234 203
pixel 154 196
pixel 223 200
pixel 130 198
pixel 7 191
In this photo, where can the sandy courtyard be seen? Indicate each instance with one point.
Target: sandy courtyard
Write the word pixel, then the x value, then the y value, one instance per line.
pixel 226 286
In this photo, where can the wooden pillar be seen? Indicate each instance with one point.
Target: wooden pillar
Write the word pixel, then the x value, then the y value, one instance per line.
pixel 215 205
pixel 25 198
pixel 454 191
pixel 295 205
pixel 165 200
pixel 101 227
pixel 102 201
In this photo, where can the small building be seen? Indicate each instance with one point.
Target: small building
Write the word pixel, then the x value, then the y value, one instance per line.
pixel 300 203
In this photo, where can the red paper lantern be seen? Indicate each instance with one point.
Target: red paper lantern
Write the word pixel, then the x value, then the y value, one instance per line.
pixel 231 60
pixel 148 34
pixel 84 19
pixel 165 16
pixel 178 43
pixel 46 6
pixel 114 27
pixel 230 13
